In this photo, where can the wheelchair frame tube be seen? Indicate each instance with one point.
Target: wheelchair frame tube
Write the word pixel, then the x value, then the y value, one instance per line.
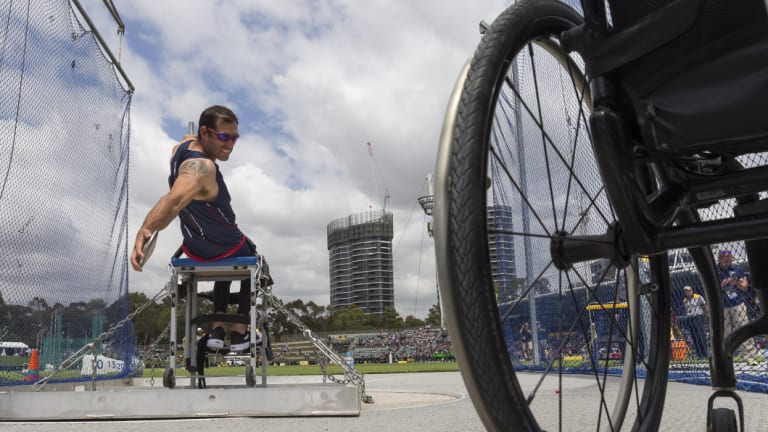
pixel 252 350
pixel 174 301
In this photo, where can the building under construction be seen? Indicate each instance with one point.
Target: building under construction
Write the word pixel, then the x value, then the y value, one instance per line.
pixel 502 250
pixel 360 261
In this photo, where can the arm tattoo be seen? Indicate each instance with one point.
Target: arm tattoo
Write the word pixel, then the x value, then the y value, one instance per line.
pixel 193 167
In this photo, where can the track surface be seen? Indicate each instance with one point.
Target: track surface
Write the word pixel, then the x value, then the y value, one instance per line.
pixel 425 402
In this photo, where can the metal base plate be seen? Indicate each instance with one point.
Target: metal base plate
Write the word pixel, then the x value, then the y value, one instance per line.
pixel 275 400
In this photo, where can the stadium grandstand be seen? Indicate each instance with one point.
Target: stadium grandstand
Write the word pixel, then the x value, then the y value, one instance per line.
pixel 413 345
pixel 419 345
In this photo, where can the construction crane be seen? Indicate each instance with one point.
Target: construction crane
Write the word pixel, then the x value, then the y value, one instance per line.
pixel 376 179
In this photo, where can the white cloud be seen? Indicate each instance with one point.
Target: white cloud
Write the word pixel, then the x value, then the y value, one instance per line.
pixel 312 82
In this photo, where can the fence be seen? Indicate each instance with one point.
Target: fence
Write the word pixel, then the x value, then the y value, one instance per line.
pixel 596 333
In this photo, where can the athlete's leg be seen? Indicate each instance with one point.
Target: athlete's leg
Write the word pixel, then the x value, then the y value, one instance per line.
pixel 220 299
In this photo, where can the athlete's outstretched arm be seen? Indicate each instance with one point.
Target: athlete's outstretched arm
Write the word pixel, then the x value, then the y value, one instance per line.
pixel 193 182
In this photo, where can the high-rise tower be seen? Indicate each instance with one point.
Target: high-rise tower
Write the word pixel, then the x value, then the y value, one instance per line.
pixel 502 250
pixel 360 261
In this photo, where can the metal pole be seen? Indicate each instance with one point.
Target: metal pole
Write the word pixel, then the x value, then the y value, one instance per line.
pixel 427 204
pixel 527 247
pixel 103 44
pixel 439 303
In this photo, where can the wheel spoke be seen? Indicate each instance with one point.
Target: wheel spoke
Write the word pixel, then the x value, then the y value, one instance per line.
pixel 575 139
pixel 546 136
pixel 522 177
pixel 520 190
pixel 544 145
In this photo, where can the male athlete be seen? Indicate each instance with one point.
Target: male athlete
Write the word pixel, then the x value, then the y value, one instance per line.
pixel 199 197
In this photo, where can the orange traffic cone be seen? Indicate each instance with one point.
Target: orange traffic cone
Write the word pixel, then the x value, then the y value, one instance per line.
pixel 33 371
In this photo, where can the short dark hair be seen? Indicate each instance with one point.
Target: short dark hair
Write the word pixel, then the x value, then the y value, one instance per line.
pixel 212 114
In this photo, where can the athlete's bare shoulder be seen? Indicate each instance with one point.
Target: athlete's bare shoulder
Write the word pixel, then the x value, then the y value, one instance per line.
pixel 175 149
pixel 196 167
pixel 187 138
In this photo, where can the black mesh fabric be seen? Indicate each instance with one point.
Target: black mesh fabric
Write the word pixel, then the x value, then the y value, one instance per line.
pixel 64 122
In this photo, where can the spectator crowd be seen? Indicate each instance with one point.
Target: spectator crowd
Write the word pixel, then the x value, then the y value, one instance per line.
pixel 420 345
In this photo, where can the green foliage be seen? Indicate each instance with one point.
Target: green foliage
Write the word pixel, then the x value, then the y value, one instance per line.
pixel 326 319
pixel 33 322
pixel 413 322
pixel 392 320
pixel 77 319
pixel 433 316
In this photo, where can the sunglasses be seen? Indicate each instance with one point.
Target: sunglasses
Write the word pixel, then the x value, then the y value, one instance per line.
pixel 225 137
pixel 725 252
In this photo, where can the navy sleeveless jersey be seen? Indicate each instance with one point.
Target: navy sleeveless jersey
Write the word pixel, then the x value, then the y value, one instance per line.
pixel 208 227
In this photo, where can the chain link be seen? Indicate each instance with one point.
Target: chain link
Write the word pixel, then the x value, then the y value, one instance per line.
pixel 350 375
pixel 323 352
pixel 167 289
pixel 150 354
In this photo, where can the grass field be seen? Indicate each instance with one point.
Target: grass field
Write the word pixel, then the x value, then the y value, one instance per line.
pixel 371 368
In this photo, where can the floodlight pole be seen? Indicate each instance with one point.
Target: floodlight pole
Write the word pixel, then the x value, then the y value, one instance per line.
pixel 427 203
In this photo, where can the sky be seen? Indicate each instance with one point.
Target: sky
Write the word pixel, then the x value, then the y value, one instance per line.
pixel 312 82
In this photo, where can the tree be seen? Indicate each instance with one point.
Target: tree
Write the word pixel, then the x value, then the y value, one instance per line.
pixel 352 318
pixel 315 317
pixel 280 324
pixel 413 322
pixel 96 306
pixel 433 316
pixel 15 321
pixel 75 321
pixel 297 307
pixel 150 322
pixel 517 288
pixel 38 304
pixel 390 319
pixel 40 312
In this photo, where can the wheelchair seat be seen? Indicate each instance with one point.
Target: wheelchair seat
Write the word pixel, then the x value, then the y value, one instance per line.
pixel 185 273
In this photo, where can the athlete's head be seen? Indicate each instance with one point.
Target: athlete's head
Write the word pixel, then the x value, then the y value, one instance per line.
pixel 217 132
pixel 211 116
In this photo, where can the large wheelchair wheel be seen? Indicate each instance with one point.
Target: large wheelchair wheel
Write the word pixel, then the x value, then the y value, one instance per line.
pixel 515 173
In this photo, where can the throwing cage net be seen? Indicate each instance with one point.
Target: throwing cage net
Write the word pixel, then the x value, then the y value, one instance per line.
pixel 64 132
pixel 577 321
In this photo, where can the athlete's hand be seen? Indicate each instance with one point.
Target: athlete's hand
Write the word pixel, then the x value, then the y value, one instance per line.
pixel 137 255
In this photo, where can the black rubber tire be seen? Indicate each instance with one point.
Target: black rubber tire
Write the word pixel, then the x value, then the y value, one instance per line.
pixel 169 379
pixel 723 420
pixel 250 378
pixel 470 298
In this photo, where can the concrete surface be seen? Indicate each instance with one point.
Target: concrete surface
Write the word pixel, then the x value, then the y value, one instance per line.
pixel 425 402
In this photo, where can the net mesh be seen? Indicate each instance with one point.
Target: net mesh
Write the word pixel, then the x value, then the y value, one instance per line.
pixel 64 133
pixel 547 182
